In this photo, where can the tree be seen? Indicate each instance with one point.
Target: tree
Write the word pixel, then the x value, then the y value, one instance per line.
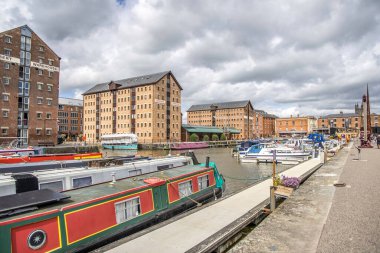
pixel 206 138
pixel 194 137
pixel 223 137
pixel 215 137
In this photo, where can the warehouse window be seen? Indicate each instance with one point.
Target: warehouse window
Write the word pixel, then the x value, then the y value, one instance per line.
pixel 126 210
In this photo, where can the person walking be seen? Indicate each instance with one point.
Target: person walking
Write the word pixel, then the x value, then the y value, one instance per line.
pixel 378 141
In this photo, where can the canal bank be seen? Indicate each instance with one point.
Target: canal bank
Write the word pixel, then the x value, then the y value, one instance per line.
pixel 321 217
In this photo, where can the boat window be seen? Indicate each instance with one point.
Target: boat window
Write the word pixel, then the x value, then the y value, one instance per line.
pixel 135 172
pixel 185 189
pixel 203 182
pixel 55 186
pixel 81 182
pixel 128 209
pixel 165 167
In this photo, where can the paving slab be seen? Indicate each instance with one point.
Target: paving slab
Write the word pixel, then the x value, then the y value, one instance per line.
pixel 320 217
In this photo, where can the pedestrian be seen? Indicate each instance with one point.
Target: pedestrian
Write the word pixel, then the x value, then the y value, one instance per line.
pixel 378 141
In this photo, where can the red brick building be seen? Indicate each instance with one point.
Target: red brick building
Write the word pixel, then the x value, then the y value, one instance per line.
pixel 70 115
pixel 29 84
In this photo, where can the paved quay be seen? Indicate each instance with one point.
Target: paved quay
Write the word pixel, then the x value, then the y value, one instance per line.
pixel 184 234
pixel 320 217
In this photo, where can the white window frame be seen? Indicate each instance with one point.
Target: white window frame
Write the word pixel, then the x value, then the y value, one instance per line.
pixel 8 39
pixel 121 207
pixel 40 72
pixel 183 194
pixel 7 65
pixel 5 96
pixel 49 87
pixel 39 84
pixel 40 100
pixel 49 101
pixel 49 131
pixel 48 115
pixel 5 113
pixel 201 182
pixel 39 129
pixel 6 80
pixel 4 128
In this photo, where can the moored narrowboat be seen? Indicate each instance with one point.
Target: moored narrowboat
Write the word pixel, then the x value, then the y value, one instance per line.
pixel 88 217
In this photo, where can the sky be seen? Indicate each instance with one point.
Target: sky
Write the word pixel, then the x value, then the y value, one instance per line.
pixel 292 57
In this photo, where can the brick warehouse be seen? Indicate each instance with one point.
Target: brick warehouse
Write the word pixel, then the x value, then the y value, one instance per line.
pixel 29 73
pixel 70 114
pixel 149 106
pixel 236 114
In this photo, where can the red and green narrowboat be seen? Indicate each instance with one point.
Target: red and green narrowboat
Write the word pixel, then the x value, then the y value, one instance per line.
pixel 89 217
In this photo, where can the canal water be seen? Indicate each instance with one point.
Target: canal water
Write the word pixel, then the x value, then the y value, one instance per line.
pixel 237 175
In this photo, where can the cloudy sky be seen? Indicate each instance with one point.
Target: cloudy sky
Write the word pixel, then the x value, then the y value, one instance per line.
pixel 287 57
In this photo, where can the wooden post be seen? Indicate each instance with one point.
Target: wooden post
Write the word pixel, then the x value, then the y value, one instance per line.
pixel 272 188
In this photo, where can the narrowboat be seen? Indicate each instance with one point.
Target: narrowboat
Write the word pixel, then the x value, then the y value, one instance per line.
pixel 86 218
pixel 119 141
pixel 95 172
pixel 48 157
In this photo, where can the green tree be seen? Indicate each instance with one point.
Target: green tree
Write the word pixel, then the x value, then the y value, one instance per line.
pixel 215 137
pixel 194 137
pixel 206 138
pixel 223 137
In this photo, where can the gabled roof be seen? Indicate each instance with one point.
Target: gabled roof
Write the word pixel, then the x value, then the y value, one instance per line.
pixel 27 27
pixel 131 82
pixel 222 105
pixel 340 115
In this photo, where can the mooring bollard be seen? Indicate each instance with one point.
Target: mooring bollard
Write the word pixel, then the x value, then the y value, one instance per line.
pixel 272 199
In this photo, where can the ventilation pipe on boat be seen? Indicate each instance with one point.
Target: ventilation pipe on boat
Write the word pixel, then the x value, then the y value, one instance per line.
pixel 113 178
pixel 207 161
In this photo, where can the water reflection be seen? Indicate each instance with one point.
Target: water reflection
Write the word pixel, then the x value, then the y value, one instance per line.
pixel 237 175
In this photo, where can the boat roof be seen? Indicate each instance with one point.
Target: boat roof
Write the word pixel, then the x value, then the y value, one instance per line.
pixel 93 192
pixel 119 135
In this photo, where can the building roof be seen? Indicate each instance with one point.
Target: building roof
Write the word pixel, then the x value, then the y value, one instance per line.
pixel 209 129
pixel 265 114
pixel 70 101
pixel 130 82
pixel 340 115
pixel 222 105
pixel 27 27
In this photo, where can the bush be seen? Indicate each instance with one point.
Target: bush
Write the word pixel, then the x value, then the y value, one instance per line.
pixel 223 137
pixel 206 138
pixel 194 137
pixel 214 137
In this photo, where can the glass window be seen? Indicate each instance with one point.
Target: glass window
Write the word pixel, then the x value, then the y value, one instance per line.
pixel 7 52
pixel 8 39
pixel 39 86
pixel 49 87
pixel 27 59
pixel 27 44
pixel 39 101
pixel 203 182
pixel 39 116
pixel 26 103
pixel 26 89
pixel 5 114
pixel 20 87
pixel 22 56
pixel 40 72
pixel 185 189
pixel 6 80
pixel 21 72
pixel 127 210
pixel 23 42
pixel 48 131
pixel 4 131
pixel 82 182
pixel 55 186
pixel 48 115
pixel 5 97
pixel 27 73
pixel 49 101
pixel 7 65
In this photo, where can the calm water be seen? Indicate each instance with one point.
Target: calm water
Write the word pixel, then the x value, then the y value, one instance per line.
pixel 237 175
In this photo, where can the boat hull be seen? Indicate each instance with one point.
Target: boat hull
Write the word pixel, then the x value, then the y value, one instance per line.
pixel 132 146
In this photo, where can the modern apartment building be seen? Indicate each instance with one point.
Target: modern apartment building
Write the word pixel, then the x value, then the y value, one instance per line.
pixel 149 106
pixel 29 84
pixel 70 115
pixel 237 114
pixel 300 125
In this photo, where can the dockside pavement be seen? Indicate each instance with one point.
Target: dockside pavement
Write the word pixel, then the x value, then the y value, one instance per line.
pixel 320 217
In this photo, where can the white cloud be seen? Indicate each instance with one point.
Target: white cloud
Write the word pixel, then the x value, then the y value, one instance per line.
pixel 290 57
